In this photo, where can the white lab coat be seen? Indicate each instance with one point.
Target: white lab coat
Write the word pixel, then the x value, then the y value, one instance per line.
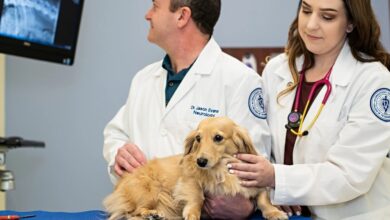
pixel 216 85
pixel 340 169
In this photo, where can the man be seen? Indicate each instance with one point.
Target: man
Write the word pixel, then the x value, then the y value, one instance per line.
pixel 168 99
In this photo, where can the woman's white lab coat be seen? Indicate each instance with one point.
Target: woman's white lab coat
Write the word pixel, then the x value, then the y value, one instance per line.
pixel 216 85
pixel 340 168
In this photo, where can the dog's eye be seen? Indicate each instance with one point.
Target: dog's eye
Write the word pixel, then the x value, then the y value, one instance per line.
pixel 218 138
pixel 197 138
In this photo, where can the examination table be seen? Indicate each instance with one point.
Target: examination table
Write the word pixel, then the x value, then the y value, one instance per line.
pixel 88 215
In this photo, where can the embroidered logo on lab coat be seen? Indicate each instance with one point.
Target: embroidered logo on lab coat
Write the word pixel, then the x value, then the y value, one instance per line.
pixel 256 103
pixel 380 104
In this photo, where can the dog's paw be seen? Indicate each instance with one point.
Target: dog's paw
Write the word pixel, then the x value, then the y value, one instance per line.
pixel 152 215
pixel 191 217
pixel 275 215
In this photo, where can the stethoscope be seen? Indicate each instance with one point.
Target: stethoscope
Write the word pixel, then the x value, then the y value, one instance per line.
pixel 295 119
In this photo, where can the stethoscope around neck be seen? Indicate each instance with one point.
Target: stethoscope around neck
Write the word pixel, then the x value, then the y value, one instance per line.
pixel 295 119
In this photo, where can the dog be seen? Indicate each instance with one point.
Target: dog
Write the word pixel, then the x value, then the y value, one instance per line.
pixel 174 187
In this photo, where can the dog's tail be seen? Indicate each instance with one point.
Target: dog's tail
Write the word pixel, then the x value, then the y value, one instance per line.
pixel 117 206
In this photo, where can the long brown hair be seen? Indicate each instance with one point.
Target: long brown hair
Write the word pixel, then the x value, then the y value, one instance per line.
pixel 363 40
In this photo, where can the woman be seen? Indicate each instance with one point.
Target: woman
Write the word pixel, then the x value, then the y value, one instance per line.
pixel 334 161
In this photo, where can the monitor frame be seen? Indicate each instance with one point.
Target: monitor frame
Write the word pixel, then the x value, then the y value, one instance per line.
pixel 45 52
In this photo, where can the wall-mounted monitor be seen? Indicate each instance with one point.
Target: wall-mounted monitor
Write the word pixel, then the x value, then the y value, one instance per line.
pixel 40 29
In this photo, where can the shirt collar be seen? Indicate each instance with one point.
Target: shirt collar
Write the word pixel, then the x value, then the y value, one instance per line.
pixel 205 62
pixel 166 64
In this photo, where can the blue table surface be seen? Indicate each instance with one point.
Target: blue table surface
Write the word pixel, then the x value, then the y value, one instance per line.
pixel 90 215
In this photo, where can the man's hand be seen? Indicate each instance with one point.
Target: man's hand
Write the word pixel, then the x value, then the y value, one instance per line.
pixel 128 158
pixel 224 207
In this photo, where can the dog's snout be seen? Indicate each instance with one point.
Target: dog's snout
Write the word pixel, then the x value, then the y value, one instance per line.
pixel 202 162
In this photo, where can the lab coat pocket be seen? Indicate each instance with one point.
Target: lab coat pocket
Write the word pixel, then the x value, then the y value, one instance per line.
pixel 317 143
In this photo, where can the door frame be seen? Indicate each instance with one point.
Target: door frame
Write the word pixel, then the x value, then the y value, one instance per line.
pixel 2 114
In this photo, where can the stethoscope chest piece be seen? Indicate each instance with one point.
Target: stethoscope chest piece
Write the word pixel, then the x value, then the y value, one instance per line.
pixel 294 119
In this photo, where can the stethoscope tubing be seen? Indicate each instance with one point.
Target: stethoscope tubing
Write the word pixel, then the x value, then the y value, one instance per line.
pixel 325 81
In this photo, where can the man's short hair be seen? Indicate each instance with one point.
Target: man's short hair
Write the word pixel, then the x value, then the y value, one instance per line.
pixel 205 13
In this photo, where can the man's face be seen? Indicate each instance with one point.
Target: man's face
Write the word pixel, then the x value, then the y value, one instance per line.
pixel 162 22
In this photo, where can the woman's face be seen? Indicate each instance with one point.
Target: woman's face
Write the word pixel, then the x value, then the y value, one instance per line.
pixel 323 26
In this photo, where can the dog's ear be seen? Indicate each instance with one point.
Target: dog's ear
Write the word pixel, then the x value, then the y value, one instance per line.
pixel 243 141
pixel 189 142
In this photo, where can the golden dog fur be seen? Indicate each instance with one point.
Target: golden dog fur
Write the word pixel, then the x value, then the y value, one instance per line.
pixel 174 187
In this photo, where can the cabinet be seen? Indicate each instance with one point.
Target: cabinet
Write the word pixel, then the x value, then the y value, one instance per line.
pixel 260 54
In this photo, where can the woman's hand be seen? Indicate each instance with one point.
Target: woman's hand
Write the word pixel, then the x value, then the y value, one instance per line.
pixel 291 210
pixel 256 171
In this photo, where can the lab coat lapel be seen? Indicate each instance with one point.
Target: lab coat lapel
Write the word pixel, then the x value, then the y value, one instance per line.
pixel 203 65
pixel 341 76
pixel 283 108
pixel 159 86
pixel 342 72
pixel 286 103
pixel 185 86
pixel 284 74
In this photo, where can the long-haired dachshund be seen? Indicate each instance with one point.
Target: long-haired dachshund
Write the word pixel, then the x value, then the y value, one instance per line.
pixel 174 187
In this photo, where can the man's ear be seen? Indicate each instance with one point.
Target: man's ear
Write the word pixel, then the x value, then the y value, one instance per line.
pixel 184 16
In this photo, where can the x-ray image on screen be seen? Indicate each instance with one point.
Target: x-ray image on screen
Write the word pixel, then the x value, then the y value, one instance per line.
pixel 30 20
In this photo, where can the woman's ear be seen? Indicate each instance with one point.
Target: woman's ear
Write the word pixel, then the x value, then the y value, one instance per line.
pixel 349 28
pixel 189 142
pixel 243 141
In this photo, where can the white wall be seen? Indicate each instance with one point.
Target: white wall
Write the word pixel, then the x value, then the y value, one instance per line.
pixel 382 9
pixel 68 107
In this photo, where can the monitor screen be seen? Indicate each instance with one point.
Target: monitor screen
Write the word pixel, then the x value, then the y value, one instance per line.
pixel 40 29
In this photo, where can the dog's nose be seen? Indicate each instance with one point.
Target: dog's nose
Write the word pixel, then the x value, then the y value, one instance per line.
pixel 202 162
